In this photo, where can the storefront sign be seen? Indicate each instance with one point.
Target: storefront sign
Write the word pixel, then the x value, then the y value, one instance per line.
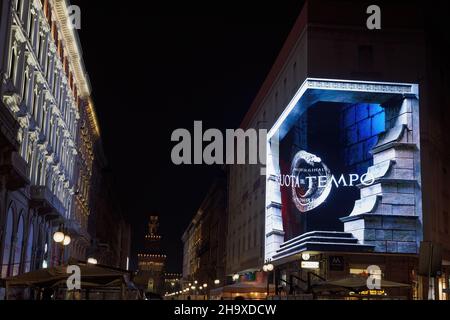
pixel 336 263
pixel 310 265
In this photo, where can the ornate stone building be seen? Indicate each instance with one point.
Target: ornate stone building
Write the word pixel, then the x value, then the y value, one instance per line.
pixel 49 141
pixel 43 84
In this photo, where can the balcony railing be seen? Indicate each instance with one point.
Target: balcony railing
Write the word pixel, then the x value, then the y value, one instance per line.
pixel 46 202
pixel 15 168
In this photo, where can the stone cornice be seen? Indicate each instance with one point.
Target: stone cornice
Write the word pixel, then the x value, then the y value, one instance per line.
pixel 72 47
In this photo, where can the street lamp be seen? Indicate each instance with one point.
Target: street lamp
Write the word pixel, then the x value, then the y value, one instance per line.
pixel 217 281
pixel 205 285
pixel 236 277
pixel 66 240
pixel 268 267
pixel 92 261
pixel 58 237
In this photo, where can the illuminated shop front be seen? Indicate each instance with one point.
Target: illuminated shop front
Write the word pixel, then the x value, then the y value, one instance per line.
pixel 343 182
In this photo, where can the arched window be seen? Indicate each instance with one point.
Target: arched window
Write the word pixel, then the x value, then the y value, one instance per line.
pixel 8 243
pixel 29 249
pixel 39 173
pixel 18 247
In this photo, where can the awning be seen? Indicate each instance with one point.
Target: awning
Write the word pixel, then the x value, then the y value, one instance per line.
pixel 243 287
pixel 92 276
pixel 358 282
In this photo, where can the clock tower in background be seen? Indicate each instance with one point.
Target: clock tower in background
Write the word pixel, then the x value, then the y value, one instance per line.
pixel 151 261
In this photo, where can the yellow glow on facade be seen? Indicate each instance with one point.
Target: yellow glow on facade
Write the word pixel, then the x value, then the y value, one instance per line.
pixel 93 117
pixel 70 40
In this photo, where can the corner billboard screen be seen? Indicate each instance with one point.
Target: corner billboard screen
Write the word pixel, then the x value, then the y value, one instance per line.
pixel 345 156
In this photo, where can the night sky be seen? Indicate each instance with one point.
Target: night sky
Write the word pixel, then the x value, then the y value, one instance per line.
pixel 157 68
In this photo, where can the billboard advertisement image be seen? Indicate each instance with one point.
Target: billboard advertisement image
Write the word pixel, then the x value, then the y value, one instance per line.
pixel 344 162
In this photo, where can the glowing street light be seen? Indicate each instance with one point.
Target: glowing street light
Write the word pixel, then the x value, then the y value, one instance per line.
pixel 306 256
pixel 66 241
pixel 58 237
pixel 217 281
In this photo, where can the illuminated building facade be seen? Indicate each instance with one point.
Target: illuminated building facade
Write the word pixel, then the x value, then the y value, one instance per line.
pixel 49 133
pixel 43 86
pixel 339 103
pixel 152 262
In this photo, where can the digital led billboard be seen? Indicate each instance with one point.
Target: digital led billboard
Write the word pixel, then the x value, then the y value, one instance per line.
pixel 345 157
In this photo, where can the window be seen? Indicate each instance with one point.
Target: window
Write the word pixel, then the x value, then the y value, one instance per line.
pixel 43 118
pixel 17 5
pixel 39 173
pixel 26 84
pixel 31 24
pixel 29 249
pixel 35 103
pixel 49 63
pixel 13 65
pixel 7 244
pixel 18 247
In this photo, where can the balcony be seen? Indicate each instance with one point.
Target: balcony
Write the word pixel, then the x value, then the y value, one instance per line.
pixel 46 202
pixel 14 168
pixel 9 128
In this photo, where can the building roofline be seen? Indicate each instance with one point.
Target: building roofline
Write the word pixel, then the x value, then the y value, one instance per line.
pixel 278 65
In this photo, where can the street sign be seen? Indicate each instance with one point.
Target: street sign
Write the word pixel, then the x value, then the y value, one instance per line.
pixel 310 265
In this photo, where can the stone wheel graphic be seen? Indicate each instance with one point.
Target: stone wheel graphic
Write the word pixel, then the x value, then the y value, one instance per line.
pixel 307 168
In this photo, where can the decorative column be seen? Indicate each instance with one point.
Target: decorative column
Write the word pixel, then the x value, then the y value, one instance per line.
pixel 389 213
pixel 274 234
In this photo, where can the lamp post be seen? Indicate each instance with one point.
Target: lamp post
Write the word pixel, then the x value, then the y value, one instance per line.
pixel 63 239
pixel 268 268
